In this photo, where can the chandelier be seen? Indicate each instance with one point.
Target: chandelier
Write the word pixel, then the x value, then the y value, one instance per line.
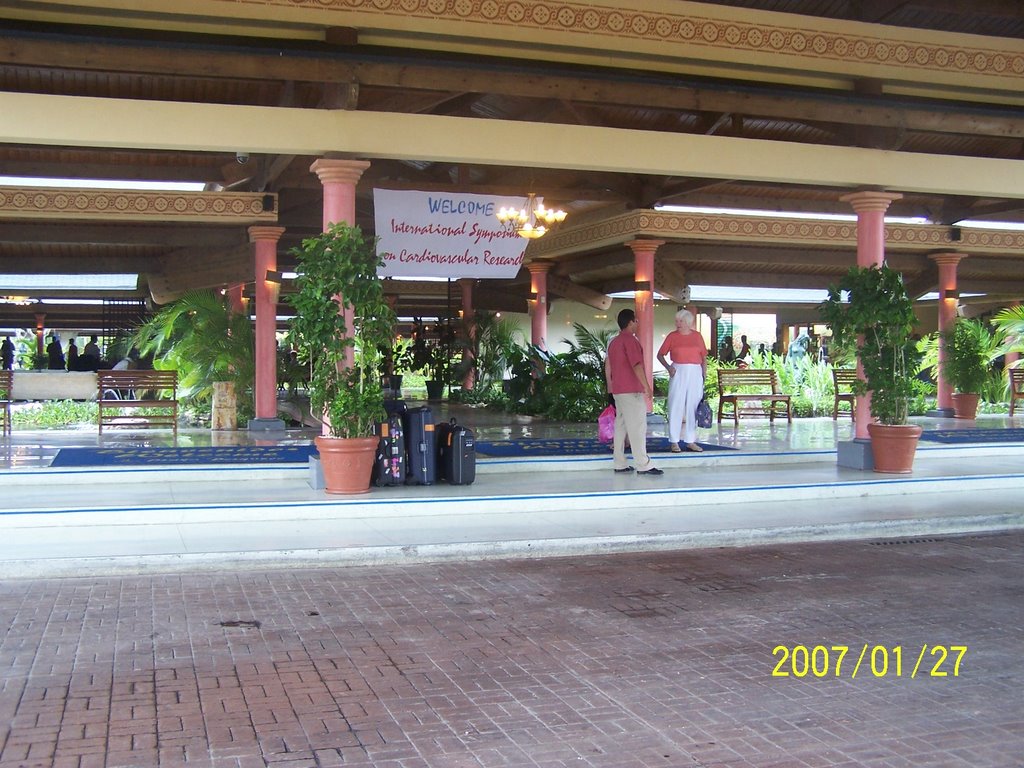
pixel 531 221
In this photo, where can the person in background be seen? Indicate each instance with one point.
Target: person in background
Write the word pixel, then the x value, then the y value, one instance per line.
pixel 129 362
pixel 726 353
pixel 54 354
pixel 91 356
pixel 744 349
pixel 72 355
pixel 626 377
pixel 686 380
pixel 7 353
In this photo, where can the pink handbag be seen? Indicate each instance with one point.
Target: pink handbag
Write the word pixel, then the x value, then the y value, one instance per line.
pixel 606 425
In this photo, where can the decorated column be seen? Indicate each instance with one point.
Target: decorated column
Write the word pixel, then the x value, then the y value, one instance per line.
pixel 266 293
pixel 870 207
pixel 469 327
pixel 339 179
pixel 235 300
pixel 948 300
pixel 40 332
pixel 643 298
pixel 539 302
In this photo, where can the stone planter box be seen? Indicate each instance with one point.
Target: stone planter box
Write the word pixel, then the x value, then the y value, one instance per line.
pixel 54 385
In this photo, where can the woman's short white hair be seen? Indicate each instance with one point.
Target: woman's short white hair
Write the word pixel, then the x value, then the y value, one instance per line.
pixel 686 316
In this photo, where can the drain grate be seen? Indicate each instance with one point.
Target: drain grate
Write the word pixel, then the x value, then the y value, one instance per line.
pixel 900 542
pixel 642 613
pixel 240 624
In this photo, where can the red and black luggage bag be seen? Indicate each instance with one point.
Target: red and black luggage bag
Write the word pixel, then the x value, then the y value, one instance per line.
pixel 389 462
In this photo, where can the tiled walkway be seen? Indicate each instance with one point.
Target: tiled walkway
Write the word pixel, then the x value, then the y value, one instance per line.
pixel 628 660
pixel 651 658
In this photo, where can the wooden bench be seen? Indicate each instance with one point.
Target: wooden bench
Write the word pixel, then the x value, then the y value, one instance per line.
pixel 6 390
pixel 138 399
pixel 844 378
pixel 731 379
pixel 1016 386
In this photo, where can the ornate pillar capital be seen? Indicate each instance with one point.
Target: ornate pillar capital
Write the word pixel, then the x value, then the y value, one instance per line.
pixel 259 232
pixel 947 258
pixel 334 170
pixel 645 246
pixel 871 200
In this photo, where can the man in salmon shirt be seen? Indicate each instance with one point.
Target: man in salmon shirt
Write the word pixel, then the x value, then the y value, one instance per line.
pixel 626 377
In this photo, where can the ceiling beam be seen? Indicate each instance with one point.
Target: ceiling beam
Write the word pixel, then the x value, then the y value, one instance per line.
pixel 61 264
pixel 495 76
pixel 198 268
pixel 84 233
pixel 579 293
pixel 669 279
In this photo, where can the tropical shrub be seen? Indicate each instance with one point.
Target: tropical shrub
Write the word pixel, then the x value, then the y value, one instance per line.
pixel 972 347
pixel 54 414
pixel 199 336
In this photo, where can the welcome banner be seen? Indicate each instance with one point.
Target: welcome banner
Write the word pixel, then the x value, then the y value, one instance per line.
pixel 436 234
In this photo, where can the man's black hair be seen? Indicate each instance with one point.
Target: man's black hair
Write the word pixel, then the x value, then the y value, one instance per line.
pixel 626 317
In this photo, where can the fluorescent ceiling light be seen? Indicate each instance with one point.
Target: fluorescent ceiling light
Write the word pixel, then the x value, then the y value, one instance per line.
pixel 934 296
pixel 116 282
pixel 1014 226
pixel 73 302
pixel 159 186
pixel 424 279
pixel 783 214
pixel 720 294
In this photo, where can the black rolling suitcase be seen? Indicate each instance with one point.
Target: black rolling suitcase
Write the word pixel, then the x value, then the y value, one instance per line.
pixel 389 462
pixel 420 446
pixel 456 454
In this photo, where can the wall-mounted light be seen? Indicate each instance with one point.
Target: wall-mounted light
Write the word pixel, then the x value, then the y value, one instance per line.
pixel 951 293
pixel 274 276
pixel 642 285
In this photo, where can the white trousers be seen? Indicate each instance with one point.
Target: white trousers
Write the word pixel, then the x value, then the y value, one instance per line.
pixel 684 393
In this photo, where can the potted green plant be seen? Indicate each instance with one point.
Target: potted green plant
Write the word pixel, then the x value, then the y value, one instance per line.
pixel 338 269
pixel 437 366
pixel 965 368
pixel 879 315
pixel 432 356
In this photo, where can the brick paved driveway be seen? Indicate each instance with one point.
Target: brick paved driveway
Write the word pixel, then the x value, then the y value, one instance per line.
pixel 629 660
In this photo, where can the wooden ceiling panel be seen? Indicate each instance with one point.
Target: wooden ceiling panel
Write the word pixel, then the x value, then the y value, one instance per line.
pixel 149 64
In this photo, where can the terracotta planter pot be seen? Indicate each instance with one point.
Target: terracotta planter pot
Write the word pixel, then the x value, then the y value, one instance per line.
pixel 965 405
pixel 347 463
pixel 893 447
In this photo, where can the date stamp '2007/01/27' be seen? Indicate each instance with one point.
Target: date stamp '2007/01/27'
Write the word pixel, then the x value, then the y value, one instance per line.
pixel 877 660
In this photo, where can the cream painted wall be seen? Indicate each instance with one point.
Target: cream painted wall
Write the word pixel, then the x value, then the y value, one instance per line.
pixel 564 313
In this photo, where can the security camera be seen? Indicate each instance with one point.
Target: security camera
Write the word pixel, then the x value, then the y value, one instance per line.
pixel 242 157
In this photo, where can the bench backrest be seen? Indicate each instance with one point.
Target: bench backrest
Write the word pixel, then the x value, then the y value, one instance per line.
pixel 148 380
pixel 748 377
pixel 843 377
pixel 1017 379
